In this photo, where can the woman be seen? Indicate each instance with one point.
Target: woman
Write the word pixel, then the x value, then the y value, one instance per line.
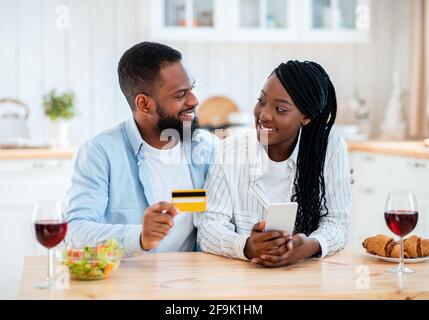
pixel 294 156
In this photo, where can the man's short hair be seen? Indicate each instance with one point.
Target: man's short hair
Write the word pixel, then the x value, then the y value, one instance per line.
pixel 139 68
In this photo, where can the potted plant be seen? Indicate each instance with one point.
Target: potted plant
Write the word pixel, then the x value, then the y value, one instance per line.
pixel 60 109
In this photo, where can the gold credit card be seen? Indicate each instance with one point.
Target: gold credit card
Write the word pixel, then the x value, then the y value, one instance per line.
pixel 189 200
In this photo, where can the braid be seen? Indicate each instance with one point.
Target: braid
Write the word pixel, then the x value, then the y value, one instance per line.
pixel 313 93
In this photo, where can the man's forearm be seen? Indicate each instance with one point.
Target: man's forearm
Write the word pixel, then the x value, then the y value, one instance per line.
pixel 82 232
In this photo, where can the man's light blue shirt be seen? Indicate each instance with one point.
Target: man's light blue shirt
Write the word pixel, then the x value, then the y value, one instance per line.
pixel 110 187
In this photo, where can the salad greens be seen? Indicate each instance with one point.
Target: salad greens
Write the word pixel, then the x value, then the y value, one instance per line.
pixel 91 263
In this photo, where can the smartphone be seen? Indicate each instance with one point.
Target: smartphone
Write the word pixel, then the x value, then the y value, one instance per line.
pixel 281 217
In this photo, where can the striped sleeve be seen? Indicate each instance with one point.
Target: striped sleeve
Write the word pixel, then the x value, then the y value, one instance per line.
pixel 334 228
pixel 216 229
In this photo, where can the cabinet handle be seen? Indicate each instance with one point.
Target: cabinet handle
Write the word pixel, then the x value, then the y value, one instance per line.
pixel 352 178
pixel 368 190
pixel 37 165
pixel 419 165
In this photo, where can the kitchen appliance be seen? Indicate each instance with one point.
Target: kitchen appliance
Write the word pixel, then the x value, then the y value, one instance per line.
pixel 13 121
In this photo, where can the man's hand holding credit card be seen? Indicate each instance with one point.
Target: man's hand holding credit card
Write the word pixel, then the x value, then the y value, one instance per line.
pixel 157 222
pixel 159 218
pixel 189 200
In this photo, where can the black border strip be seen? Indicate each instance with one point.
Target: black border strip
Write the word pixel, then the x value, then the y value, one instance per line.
pixel 189 194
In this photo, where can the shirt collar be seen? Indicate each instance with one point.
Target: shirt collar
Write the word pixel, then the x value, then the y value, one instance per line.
pixel 292 160
pixel 294 155
pixel 259 157
pixel 134 136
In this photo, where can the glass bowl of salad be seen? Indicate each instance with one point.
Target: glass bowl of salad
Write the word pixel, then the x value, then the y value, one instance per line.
pixel 92 262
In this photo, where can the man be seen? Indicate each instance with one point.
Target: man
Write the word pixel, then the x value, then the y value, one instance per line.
pixel 123 178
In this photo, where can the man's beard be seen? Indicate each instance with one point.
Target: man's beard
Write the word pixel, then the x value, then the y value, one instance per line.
pixel 184 129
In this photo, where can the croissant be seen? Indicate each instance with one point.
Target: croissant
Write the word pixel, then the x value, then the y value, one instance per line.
pixel 380 245
pixel 424 247
pixel 386 246
pixel 416 247
pixel 411 246
pixel 396 251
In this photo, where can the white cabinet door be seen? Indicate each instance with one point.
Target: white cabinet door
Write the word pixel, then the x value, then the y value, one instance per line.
pixel 266 20
pixel 17 239
pixel 413 174
pixel 367 203
pixel 377 175
pixel 335 20
pixel 367 213
pixel 25 182
pixel 22 183
pixel 188 20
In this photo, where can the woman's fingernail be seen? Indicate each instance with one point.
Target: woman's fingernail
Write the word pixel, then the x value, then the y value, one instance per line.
pixel 263 257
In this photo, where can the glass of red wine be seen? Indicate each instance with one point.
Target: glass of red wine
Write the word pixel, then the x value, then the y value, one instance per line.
pixel 401 217
pixel 50 228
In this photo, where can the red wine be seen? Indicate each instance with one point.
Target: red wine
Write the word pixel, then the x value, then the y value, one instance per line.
pixel 49 233
pixel 401 222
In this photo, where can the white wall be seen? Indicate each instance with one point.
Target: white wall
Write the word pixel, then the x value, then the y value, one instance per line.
pixel 36 56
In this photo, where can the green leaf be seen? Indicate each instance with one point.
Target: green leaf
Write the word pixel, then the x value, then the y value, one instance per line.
pixel 59 106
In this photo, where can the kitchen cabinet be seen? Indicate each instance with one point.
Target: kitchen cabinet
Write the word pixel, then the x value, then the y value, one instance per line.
pixel 187 19
pixel 335 20
pixel 22 183
pixel 266 20
pixel 261 20
pixel 375 176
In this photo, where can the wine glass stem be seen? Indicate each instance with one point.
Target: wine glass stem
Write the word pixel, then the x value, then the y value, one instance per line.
pixel 401 261
pixel 50 266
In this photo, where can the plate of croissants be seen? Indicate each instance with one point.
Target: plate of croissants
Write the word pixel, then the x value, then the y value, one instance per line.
pixel 387 249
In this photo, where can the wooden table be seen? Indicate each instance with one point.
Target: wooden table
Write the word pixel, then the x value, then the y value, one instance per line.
pixel 346 275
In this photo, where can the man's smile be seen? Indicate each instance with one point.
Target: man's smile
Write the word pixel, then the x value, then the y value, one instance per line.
pixel 187 115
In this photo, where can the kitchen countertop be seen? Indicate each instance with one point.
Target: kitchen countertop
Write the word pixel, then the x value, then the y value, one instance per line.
pixel 36 153
pixel 414 149
pixel 348 274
